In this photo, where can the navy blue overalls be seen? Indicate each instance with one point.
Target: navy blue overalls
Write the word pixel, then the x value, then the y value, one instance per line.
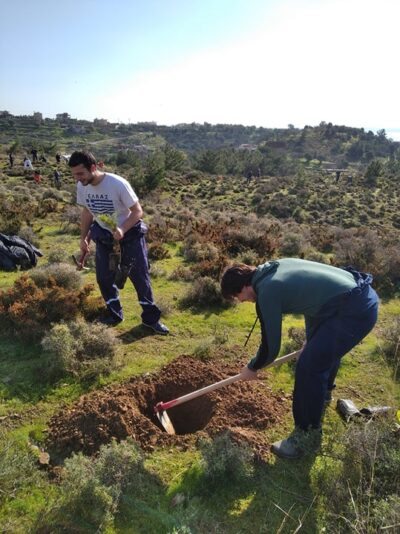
pixel 134 255
pixel 339 326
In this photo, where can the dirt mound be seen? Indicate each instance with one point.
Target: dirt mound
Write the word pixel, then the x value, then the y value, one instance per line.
pixel 243 408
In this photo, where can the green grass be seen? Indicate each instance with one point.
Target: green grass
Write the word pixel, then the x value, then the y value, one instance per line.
pixel 278 497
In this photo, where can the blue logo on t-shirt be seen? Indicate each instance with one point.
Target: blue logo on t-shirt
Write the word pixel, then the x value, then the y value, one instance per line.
pixel 100 205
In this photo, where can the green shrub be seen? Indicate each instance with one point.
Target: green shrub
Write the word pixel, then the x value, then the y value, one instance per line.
pixel 81 349
pixel 391 344
pixel 361 483
pixel 182 274
pixel 249 236
pixel 64 274
pixel 204 350
pixel 92 489
pixel 11 215
pixel 58 256
pixel 52 193
pixel 292 245
pixel 48 205
pixel 249 257
pixel 224 461
pixel 315 255
pixel 70 219
pixel 18 467
pixel 195 250
pixel 205 292
pixel 297 337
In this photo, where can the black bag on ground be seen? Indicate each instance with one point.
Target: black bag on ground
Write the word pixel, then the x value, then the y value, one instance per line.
pixel 16 251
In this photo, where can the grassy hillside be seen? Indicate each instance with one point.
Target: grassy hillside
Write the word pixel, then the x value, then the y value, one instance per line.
pixel 198 221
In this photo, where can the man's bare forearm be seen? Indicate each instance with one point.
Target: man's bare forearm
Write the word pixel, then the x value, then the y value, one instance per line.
pixel 134 217
pixel 86 221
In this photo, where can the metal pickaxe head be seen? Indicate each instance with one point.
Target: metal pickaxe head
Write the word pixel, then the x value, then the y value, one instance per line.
pixel 164 418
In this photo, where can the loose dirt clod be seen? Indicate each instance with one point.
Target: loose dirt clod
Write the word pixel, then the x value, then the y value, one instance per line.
pixel 243 408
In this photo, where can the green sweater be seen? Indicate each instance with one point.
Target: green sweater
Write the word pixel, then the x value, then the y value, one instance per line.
pixel 293 286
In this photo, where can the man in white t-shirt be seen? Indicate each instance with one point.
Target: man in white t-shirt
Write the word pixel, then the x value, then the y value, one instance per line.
pixel 105 197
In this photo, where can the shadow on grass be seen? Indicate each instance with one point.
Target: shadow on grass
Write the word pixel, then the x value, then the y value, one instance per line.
pixel 135 334
pixel 275 498
pixel 140 507
pixel 205 310
pixel 284 498
pixel 23 373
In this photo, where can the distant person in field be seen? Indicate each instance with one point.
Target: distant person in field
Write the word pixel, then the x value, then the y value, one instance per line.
pixel 28 164
pixel 34 155
pixel 102 193
pixel 37 177
pixel 43 159
pixel 58 157
pixel 339 307
pixel 11 160
pixel 57 179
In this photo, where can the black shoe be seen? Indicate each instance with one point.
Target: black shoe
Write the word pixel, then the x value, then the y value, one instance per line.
pixel 111 320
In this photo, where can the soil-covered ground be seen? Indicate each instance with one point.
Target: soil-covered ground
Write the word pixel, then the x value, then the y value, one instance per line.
pixel 246 409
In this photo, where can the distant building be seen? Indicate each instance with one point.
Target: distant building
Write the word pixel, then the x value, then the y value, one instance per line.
pixel 37 117
pixel 100 122
pixel 63 116
pixel 247 146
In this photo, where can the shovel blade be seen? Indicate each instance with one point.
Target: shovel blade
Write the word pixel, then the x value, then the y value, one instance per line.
pixel 166 422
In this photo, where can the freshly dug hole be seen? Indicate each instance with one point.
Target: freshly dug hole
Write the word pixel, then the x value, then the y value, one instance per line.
pixel 191 416
pixel 244 408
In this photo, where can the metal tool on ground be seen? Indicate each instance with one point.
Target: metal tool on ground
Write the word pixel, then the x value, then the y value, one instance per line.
pixel 161 407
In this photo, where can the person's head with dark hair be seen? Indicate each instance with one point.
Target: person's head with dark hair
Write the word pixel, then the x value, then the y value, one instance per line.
pixel 84 168
pixel 236 282
pixel 81 157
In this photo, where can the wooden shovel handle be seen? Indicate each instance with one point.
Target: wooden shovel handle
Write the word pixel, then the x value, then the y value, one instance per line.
pixel 199 392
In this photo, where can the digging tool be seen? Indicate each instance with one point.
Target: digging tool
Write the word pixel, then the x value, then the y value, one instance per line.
pixel 80 264
pixel 161 407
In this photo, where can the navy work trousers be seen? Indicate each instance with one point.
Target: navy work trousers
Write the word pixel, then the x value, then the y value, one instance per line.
pixel 134 255
pixel 339 326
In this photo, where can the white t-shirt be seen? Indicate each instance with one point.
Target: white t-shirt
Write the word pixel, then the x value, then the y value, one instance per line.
pixel 113 195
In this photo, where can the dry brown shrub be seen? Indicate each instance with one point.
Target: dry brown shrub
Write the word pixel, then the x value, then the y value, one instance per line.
pixel 157 251
pixel 28 311
pixel 209 268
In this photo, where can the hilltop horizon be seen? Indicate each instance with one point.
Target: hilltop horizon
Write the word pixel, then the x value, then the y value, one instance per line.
pixel 391 133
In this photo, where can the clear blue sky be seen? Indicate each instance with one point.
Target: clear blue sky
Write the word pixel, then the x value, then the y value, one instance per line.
pixel 263 62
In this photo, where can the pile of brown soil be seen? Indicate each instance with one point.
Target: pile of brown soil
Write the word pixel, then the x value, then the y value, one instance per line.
pixel 243 408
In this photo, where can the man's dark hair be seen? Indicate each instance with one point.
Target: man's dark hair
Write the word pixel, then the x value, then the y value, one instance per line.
pixel 235 278
pixel 82 157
